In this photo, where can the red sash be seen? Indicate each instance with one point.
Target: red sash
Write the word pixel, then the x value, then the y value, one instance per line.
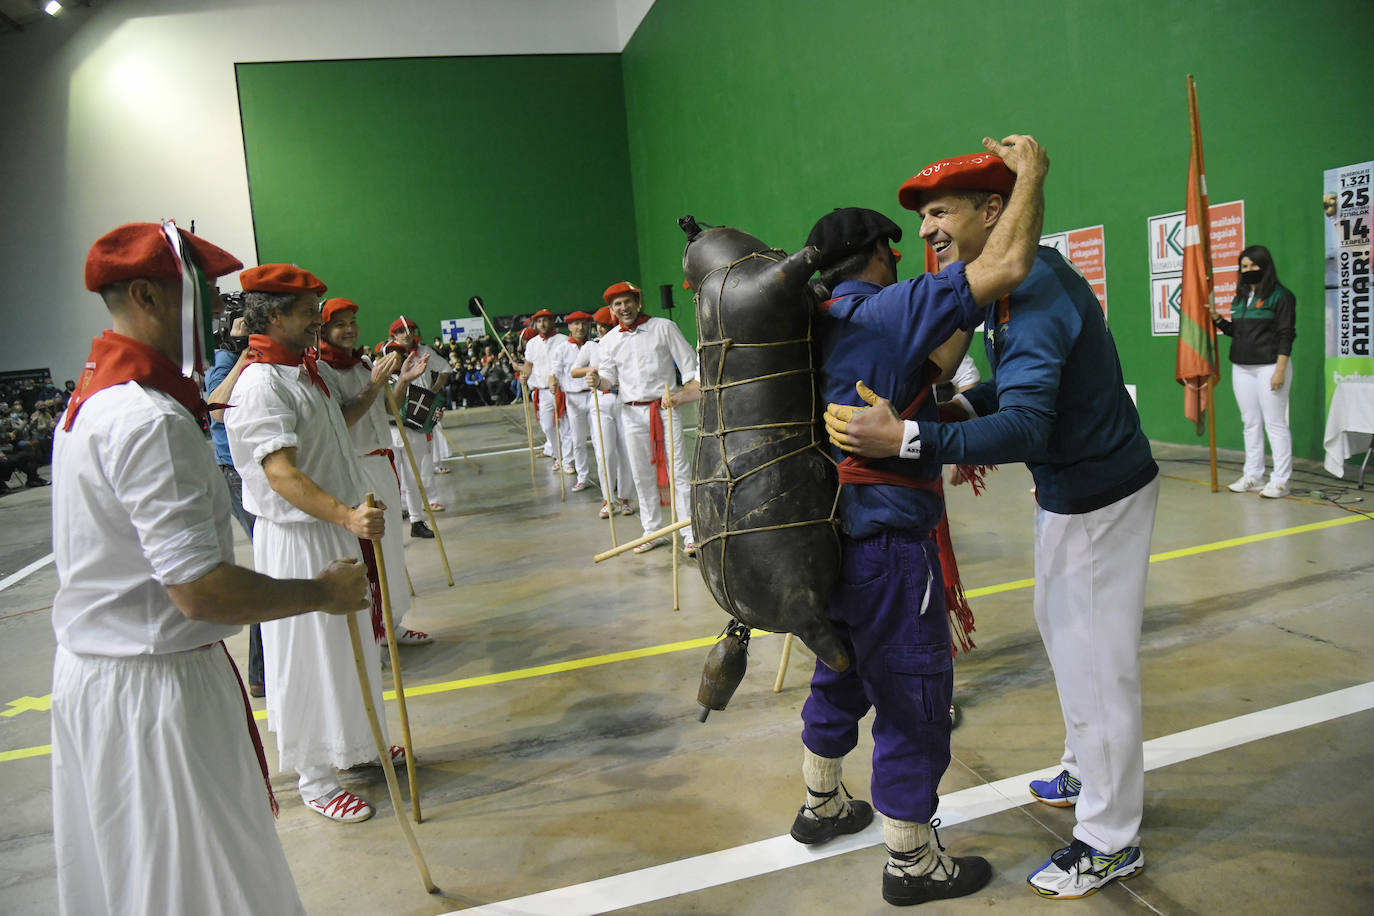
pixel 390 456
pixel 253 732
pixel 374 588
pixel 116 359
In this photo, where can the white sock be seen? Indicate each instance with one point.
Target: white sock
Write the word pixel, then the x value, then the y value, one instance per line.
pixel 822 777
pixel 914 850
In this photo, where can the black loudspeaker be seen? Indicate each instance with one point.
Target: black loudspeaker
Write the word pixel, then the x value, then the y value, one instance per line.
pixel 665 297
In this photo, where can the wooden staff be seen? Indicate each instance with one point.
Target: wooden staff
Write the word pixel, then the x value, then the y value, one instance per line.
pixel 672 483
pixel 605 465
pixel 558 441
pixel 396 670
pixel 384 752
pixel 631 545
pixel 782 665
pixel 420 484
pixel 410 585
pixel 454 446
pixel 475 308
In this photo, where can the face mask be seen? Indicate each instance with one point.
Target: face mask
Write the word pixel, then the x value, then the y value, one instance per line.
pixel 1251 277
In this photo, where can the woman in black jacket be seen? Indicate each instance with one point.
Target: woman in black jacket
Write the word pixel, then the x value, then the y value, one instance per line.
pixel 1261 328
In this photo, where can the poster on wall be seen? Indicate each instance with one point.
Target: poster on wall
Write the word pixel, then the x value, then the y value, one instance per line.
pixel 1226 231
pixel 461 329
pixel 1087 249
pixel 1346 206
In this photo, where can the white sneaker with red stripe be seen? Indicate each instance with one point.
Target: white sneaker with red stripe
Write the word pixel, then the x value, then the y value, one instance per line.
pixel 605 510
pixel 408 637
pixel 342 806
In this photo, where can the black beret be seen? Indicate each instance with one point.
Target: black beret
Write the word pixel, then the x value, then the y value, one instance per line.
pixel 848 230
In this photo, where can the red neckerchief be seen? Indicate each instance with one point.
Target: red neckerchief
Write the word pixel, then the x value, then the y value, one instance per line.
pixel 637 322
pixel 575 342
pixel 116 359
pixel 340 359
pixel 546 336
pixel 263 349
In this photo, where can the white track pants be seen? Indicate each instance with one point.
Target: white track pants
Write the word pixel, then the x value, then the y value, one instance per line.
pixel 612 462
pixel 640 451
pixel 1260 407
pixel 420 448
pixel 1089 600
pixel 575 443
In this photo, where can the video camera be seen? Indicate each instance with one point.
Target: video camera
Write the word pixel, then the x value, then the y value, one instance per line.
pixel 224 323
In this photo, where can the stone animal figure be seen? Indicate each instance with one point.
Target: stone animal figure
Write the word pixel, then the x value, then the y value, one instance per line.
pixel 763 486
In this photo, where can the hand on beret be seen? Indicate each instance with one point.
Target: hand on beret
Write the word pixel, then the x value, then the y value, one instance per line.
pixel 1022 154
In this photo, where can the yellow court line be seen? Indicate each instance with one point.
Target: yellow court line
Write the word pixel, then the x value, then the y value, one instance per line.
pixel 594 661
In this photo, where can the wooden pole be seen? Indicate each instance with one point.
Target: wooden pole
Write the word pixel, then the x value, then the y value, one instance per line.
pixel 672 485
pixel 454 446
pixel 631 545
pixel 782 665
pixel 390 625
pixel 1212 427
pixel 420 484
pixel 475 303
pixel 558 443
pixel 410 585
pixel 384 753
pixel 605 465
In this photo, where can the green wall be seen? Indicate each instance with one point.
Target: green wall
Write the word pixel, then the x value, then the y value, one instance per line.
pixel 767 113
pixel 409 185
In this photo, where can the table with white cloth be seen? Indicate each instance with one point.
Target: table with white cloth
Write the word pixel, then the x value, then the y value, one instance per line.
pixel 1349 425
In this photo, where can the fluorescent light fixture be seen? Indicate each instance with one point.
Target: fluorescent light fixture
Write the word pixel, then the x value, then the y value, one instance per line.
pixel 52 8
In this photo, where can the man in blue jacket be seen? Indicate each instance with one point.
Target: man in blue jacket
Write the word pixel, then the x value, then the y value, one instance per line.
pixel 1057 402
pixel 889 604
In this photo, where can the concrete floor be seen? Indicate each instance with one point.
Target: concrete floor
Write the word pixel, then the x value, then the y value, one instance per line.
pixel 536 778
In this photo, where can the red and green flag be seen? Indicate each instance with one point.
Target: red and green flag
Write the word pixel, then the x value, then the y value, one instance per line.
pixel 1196 366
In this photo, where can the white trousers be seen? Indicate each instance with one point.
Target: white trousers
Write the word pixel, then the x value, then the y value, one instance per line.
pixel 1261 407
pixel 1089 601
pixel 575 443
pixel 380 480
pixel 424 458
pixel 612 462
pixel 555 428
pixel 158 801
pixel 439 449
pixel 639 450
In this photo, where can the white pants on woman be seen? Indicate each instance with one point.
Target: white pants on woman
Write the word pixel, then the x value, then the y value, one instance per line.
pixel 1258 405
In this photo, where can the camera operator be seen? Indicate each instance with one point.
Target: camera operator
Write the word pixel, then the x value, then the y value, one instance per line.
pixel 231 340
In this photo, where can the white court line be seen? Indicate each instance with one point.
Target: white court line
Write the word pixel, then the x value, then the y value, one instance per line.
pixel 21 575
pixel 753 859
pixel 526 448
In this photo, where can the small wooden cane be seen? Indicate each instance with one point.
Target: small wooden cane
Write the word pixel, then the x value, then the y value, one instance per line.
pixel 672 484
pixel 410 585
pixel 451 444
pixel 605 465
pixel 420 484
pixel 631 545
pixel 396 670
pixel 475 308
pixel 558 441
pixel 782 665
pixel 384 752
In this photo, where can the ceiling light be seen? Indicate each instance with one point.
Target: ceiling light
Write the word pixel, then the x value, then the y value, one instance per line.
pixel 52 8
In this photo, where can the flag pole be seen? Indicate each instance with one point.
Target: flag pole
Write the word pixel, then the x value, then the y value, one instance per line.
pixel 1212 423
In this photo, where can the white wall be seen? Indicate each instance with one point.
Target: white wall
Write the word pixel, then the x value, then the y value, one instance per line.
pixel 129 112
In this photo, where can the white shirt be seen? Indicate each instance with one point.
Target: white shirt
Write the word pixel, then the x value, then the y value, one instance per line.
pixel 564 358
pixel 641 361
pixel 370 432
pixel 138 504
pixel 539 353
pixel 276 407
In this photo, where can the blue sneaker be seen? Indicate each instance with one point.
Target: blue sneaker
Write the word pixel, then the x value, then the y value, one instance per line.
pixel 1078 870
pixel 1061 791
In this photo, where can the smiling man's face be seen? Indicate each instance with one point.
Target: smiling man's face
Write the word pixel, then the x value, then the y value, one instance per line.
pixel 955 228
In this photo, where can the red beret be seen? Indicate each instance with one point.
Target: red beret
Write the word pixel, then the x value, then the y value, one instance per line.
pixel 332 307
pixel 975 172
pixel 542 313
pixel 578 316
pixel 402 325
pixel 528 333
pixel 280 278
pixel 620 289
pixel 896 255
pixel 141 250
pixel 603 315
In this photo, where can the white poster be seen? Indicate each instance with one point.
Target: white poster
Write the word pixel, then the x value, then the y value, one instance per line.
pixel 1347 208
pixel 1226 236
pixel 461 329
